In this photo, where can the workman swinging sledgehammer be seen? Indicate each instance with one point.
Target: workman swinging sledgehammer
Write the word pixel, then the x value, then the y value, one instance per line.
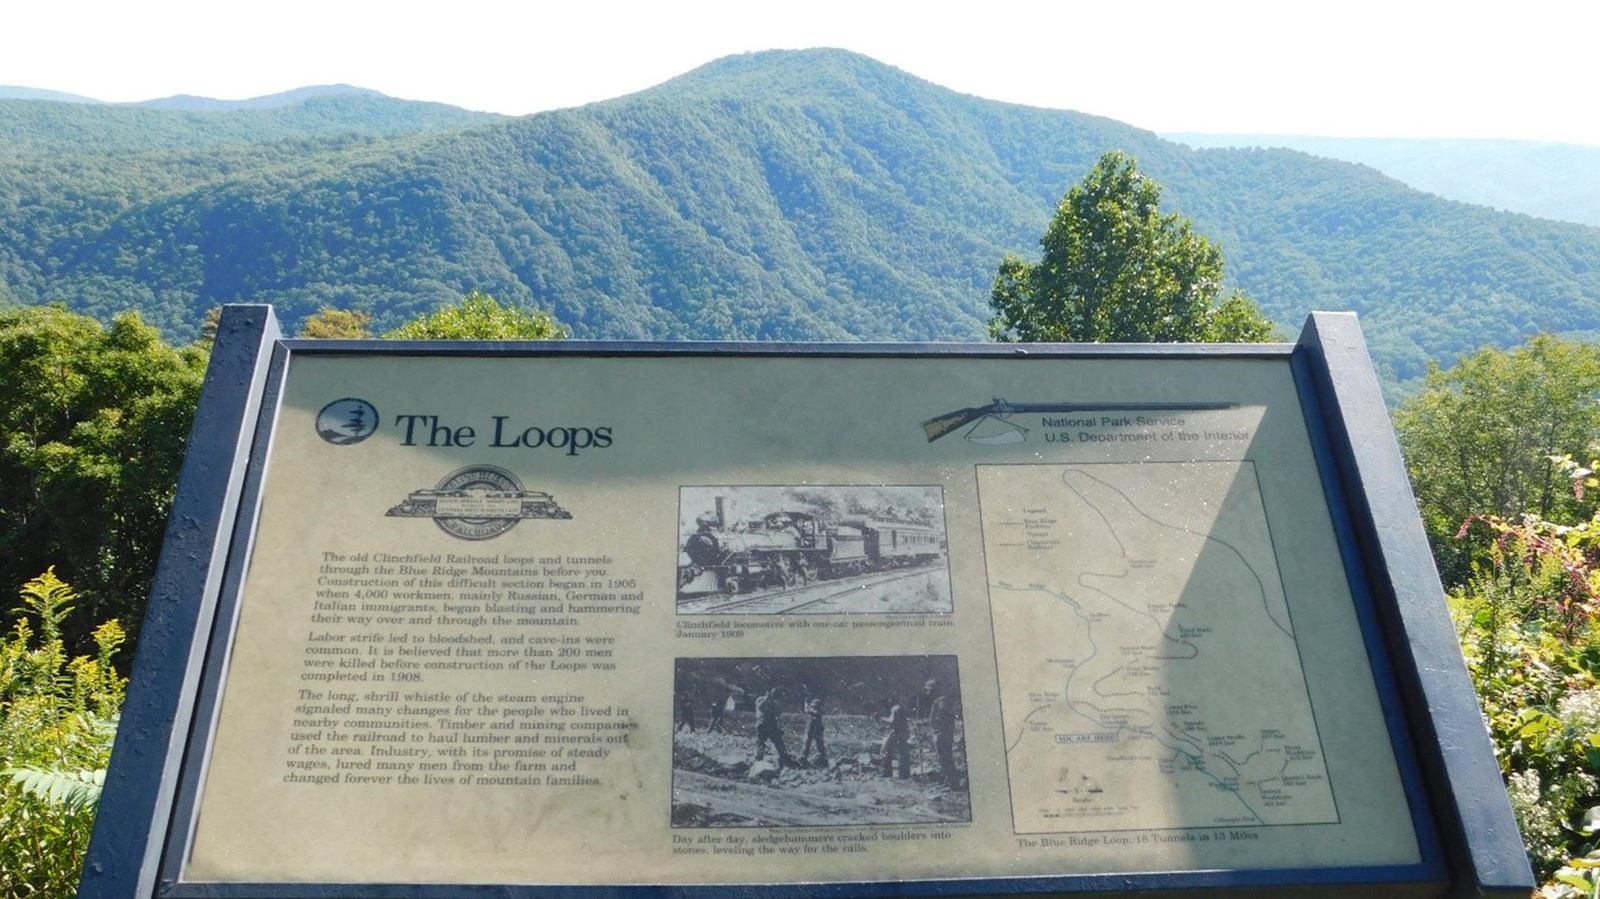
pixel 767 729
pixel 814 733
pixel 897 745
pixel 942 716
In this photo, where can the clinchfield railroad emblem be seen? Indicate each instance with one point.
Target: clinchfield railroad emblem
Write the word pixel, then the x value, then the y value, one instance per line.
pixel 479 502
pixel 347 421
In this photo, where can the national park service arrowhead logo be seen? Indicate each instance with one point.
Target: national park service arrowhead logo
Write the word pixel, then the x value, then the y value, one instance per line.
pixel 346 421
pixel 479 502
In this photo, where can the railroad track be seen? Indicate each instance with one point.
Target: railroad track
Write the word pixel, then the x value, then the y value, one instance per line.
pixel 792 599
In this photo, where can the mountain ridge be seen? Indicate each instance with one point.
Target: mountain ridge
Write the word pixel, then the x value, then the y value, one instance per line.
pixel 1546 179
pixel 291 97
pixel 21 92
pixel 844 199
pixel 197 102
pixel 31 128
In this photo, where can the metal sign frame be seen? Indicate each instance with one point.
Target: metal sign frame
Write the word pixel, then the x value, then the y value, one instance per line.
pixel 1468 837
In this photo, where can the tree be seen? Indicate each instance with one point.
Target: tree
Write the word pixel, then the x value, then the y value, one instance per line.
pixel 1484 437
pixel 94 422
pixel 1116 269
pixel 480 317
pixel 338 324
pixel 93 425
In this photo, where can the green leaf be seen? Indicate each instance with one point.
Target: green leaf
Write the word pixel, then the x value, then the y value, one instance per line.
pixel 1536 723
pixel 1591 755
pixel 73 790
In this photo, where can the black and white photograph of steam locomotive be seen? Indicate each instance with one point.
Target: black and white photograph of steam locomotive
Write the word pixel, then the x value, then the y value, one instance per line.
pixel 814 550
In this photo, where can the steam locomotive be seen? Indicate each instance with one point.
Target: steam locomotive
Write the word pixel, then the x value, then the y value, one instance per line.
pixel 794 548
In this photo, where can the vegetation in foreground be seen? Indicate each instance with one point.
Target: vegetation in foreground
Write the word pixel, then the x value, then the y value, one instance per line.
pixel 1516 531
pixel 93 425
pixel 1526 621
pixel 58 716
pixel 95 420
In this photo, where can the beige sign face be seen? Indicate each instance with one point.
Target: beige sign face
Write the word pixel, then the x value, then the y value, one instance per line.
pixel 743 620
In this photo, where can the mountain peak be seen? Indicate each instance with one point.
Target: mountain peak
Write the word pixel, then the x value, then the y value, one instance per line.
pixel 810 56
pixel 790 72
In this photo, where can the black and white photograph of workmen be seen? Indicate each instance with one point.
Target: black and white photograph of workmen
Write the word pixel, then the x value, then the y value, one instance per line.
pixel 804 742
pixel 812 550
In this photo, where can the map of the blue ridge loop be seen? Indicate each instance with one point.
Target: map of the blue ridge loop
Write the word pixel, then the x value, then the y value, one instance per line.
pixel 1150 677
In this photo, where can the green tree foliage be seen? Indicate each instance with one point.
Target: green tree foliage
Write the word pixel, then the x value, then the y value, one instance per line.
pixel 338 324
pixel 479 316
pixel 1116 269
pixel 57 722
pixel 1482 436
pixel 94 421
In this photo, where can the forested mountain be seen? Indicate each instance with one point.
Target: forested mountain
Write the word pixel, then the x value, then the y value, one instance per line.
pixel 1549 180
pixel 18 92
pixel 30 128
pixel 267 101
pixel 793 195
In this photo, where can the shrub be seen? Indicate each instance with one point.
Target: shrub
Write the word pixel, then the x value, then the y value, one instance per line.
pixel 1526 618
pixel 57 721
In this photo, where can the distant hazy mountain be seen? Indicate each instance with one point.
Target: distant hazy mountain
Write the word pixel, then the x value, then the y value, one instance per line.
pixel 32 127
pixel 295 97
pixel 785 195
pixel 16 92
pixel 1549 180
pixel 192 103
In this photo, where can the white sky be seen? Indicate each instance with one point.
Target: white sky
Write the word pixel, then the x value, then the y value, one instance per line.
pixel 1525 70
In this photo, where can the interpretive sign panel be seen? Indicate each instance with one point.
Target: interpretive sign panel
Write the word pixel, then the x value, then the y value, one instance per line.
pixel 703 618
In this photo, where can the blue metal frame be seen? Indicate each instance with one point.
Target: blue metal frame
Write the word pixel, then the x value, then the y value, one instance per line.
pixel 208 704
pixel 1485 849
pixel 1446 763
pixel 137 801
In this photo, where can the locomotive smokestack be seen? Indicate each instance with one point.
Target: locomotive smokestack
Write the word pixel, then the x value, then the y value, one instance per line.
pixel 722 521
